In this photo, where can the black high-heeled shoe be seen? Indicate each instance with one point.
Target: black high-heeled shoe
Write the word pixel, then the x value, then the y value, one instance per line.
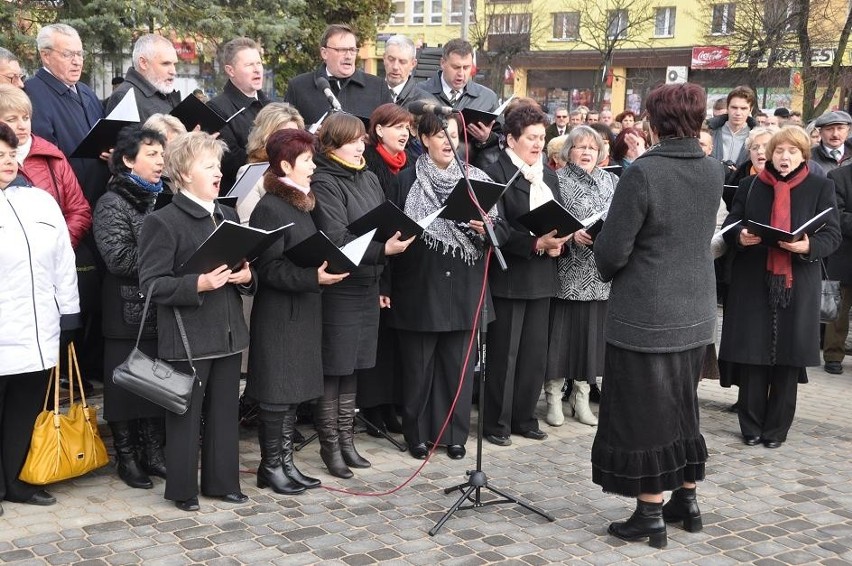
pixel 683 507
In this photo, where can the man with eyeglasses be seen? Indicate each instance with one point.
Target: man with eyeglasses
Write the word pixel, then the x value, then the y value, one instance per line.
pixel 10 69
pixel 240 59
pixel 559 127
pixel 152 77
pixel 359 93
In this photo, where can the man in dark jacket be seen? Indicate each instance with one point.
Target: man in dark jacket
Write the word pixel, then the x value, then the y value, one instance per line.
pixel 240 58
pixel 152 76
pixel 358 92
pixel 840 269
pixel 834 149
pixel 400 59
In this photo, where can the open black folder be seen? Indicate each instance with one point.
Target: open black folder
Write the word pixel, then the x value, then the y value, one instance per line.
pixel 230 244
pixel 314 250
pixel 770 236
pixel 473 116
pixel 460 208
pixel 552 216
pixel 192 112
pixel 388 219
pixel 100 138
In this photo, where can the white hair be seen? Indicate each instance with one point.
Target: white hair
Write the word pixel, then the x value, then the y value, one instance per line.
pixel 8 56
pixel 146 46
pixel 44 39
pixel 403 42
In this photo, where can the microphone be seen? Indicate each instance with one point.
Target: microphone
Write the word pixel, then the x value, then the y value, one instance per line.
pixel 421 107
pixel 323 84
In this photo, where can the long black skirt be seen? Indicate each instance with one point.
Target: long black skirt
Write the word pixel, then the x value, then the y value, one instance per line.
pixel 577 345
pixel 119 403
pixel 648 439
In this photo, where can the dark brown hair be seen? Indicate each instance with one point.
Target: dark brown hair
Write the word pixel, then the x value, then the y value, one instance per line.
pixel 287 145
pixel 388 114
pixel 742 91
pixel 430 125
pixel 676 110
pixel 619 146
pixel 338 130
pixel 522 117
pixel 7 135
pixel 333 30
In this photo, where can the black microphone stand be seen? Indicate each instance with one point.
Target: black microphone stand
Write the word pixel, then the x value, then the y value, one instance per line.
pixel 477 480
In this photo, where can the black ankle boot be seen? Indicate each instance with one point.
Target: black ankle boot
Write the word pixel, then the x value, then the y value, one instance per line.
pixel 152 433
pixel 683 507
pixel 126 457
pixel 646 521
pixel 270 473
pixel 290 469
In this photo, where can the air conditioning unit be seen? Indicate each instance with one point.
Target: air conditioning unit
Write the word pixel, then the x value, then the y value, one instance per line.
pixel 676 75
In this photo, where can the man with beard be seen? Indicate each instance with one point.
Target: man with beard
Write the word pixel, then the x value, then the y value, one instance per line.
pixel 152 76
pixel 240 58
pixel 400 61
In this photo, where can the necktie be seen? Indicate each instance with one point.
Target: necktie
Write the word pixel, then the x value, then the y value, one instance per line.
pixel 335 85
pixel 454 97
pixel 835 154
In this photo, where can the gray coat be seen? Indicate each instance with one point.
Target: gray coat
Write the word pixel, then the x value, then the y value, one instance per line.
pixel 655 248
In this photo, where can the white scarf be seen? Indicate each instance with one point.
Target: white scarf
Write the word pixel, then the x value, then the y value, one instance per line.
pixel 540 193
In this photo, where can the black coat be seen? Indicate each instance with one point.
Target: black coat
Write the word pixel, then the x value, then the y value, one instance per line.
pixel 285 363
pixel 530 275
pixel 236 132
pixel 747 326
pixel 360 94
pixel 433 291
pixel 117 224
pixel 214 321
pixel 840 263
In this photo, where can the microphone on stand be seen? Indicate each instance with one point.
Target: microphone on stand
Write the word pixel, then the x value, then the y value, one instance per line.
pixel 421 107
pixel 323 85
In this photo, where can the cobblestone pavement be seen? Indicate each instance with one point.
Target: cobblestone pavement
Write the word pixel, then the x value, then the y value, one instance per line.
pixel 792 505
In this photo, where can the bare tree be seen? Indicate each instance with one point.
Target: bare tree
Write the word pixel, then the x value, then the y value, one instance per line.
pixel 605 27
pixel 820 27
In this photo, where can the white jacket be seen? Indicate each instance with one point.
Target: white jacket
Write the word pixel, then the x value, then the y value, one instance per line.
pixel 38 280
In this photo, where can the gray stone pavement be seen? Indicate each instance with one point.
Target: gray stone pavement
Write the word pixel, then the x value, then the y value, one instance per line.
pixel 792 505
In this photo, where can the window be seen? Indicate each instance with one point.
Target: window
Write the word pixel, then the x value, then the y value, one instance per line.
pixel 779 15
pixel 723 19
pixel 566 25
pixel 418 8
pixel 436 11
pixel 398 14
pixel 502 24
pixel 456 7
pixel 617 28
pixel 664 22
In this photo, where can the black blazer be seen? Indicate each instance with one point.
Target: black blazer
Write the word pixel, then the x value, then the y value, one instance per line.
pixel 214 321
pixel 360 95
pixel 530 275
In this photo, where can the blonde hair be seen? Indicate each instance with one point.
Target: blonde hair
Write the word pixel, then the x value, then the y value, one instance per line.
pixel 760 131
pixel 13 99
pixel 554 148
pixel 270 119
pixel 166 124
pixel 185 149
pixel 794 135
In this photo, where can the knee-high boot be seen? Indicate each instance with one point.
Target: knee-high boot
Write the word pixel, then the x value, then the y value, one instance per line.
pixel 346 427
pixel 152 433
pixel 270 473
pixel 126 456
pixel 288 425
pixel 325 419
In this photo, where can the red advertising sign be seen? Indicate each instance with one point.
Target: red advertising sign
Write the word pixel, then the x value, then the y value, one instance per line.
pixel 710 57
pixel 185 50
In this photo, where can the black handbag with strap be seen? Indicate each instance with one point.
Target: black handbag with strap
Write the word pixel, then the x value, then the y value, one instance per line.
pixel 154 379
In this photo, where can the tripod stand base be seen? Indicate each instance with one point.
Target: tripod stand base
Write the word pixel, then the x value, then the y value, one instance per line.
pixel 477 482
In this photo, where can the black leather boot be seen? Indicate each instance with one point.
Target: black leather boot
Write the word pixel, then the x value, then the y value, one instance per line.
pixel 270 473
pixel 646 521
pixel 325 419
pixel 288 425
pixel 152 434
pixel 126 458
pixel 346 428
pixel 683 507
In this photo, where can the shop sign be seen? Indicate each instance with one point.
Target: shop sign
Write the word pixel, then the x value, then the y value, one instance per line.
pixel 710 57
pixel 820 57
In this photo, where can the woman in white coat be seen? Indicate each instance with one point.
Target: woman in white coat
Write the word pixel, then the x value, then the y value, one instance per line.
pixel 38 302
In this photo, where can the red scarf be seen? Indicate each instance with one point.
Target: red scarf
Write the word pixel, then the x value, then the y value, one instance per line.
pixel 394 162
pixel 779 262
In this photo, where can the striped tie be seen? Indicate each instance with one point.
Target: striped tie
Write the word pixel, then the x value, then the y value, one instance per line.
pixel 454 97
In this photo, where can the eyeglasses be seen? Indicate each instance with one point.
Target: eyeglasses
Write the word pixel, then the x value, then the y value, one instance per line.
pixel 562 115
pixel 584 149
pixel 13 77
pixel 67 55
pixel 342 50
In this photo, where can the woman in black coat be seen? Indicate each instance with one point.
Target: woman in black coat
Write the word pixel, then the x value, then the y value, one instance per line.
pixel 211 309
pixel 285 366
pixel 345 191
pixel 435 293
pixel 136 424
pixel 517 339
pixel 770 332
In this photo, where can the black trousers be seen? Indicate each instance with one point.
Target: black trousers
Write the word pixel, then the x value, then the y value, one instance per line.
pixel 217 399
pixel 431 364
pixel 766 403
pixel 21 400
pixel 515 365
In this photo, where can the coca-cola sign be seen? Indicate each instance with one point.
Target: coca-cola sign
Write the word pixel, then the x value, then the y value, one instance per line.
pixel 710 57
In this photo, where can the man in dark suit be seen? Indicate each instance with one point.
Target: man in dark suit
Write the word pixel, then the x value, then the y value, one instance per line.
pixel 559 127
pixel 358 92
pixel 400 59
pixel 240 58
pixel 152 76
pixel 452 86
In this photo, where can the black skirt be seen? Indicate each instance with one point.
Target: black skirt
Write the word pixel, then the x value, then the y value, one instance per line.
pixel 119 403
pixel 350 327
pixel 577 345
pixel 648 439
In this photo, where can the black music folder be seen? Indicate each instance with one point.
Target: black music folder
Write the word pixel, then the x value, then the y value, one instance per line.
pixel 770 236
pixel 460 208
pixel 616 170
pixel 473 116
pixel 230 244
pixel 100 138
pixel 314 250
pixel 246 182
pixel 552 216
pixel 388 219
pixel 192 112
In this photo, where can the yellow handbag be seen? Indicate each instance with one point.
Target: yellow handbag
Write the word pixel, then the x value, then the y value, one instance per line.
pixel 67 445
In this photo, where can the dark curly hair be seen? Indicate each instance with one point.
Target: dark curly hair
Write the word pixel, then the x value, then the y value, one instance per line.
pixel 523 117
pixel 129 143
